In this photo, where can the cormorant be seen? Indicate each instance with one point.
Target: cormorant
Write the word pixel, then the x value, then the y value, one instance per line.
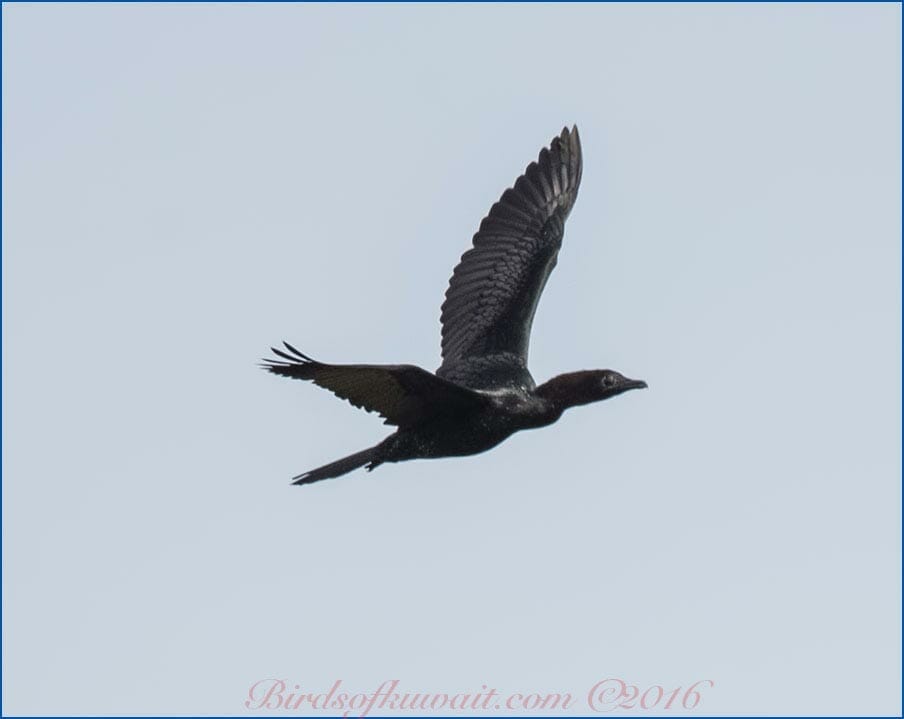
pixel 483 392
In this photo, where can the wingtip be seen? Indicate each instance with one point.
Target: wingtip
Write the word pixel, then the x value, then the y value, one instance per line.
pixel 294 351
pixel 292 355
pixel 569 138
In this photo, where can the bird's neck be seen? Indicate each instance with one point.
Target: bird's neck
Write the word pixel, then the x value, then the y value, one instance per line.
pixel 564 391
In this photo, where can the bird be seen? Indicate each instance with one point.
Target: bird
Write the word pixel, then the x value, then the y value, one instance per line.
pixel 483 392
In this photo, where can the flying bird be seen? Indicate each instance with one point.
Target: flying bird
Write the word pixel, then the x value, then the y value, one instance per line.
pixel 483 392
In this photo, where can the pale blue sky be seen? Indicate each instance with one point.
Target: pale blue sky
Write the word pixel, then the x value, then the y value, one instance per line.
pixel 185 185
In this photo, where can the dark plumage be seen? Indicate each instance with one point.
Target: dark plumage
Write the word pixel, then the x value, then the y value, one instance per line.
pixel 483 392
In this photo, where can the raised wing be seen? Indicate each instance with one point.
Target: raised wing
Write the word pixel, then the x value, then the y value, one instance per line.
pixel 494 290
pixel 403 395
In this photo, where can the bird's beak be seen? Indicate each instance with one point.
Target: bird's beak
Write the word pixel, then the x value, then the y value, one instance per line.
pixel 635 384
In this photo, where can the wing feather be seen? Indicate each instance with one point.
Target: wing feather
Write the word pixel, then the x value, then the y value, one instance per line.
pixel 494 290
pixel 402 394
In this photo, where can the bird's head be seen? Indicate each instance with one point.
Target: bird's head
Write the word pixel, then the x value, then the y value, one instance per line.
pixel 586 386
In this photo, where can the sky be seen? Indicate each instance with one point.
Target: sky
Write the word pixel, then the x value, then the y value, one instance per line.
pixel 186 185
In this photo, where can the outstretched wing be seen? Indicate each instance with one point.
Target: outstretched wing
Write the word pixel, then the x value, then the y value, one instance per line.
pixel 494 290
pixel 402 394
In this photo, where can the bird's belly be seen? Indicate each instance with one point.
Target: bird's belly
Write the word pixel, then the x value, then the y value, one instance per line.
pixel 451 438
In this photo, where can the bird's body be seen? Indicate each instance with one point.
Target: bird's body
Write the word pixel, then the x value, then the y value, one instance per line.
pixel 483 392
pixel 468 432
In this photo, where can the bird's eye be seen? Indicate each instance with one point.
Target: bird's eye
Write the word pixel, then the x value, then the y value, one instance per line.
pixel 609 381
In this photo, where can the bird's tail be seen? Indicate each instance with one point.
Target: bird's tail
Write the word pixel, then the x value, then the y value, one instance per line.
pixel 341 466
